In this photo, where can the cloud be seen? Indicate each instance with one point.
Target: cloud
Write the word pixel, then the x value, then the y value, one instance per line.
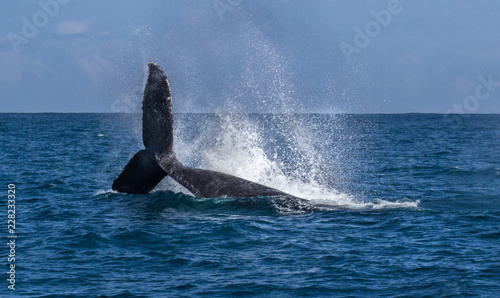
pixel 72 27
pixel 95 67
pixel 15 67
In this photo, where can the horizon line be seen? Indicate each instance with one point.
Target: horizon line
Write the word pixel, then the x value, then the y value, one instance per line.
pixel 260 113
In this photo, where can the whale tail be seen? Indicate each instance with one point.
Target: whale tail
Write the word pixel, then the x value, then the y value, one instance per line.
pixel 140 175
pixel 143 172
pixel 148 167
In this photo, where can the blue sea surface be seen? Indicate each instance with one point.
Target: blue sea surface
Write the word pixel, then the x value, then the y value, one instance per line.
pixel 401 205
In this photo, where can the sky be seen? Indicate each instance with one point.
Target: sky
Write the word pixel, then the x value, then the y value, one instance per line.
pixel 357 56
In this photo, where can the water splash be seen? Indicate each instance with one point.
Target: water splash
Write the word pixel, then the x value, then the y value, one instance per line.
pixel 279 151
pixel 283 150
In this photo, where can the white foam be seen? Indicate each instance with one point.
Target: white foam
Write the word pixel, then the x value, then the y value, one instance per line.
pixel 103 192
pixel 239 151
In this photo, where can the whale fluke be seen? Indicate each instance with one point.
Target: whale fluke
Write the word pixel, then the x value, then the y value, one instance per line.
pixel 140 175
pixel 148 167
pixel 143 173
pixel 157 112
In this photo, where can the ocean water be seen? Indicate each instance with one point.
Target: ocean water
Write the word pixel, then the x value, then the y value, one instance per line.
pixel 400 205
